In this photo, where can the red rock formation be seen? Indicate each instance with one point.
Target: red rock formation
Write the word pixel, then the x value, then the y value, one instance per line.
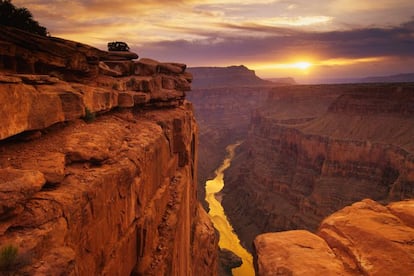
pixel 114 196
pixel 363 239
pixel 223 116
pixel 293 171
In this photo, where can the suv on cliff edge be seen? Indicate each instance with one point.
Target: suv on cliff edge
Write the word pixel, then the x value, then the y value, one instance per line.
pixel 118 46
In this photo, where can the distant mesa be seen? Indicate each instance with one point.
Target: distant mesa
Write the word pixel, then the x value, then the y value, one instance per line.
pixel 408 77
pixel 234 76
pixel 397 78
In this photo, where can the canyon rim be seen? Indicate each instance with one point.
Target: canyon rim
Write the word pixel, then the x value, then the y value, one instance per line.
pixel 105 156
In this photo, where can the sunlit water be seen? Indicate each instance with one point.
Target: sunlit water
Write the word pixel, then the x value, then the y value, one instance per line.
pixel 228 239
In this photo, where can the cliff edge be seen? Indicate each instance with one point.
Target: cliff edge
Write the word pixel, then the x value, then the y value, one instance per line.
pixel 98 159
pixel 365 238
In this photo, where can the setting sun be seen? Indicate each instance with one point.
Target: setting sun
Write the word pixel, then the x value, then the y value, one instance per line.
pixel 303 65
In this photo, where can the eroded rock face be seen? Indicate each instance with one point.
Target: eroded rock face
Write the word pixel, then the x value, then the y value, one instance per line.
pixel 223 116
pixel 301 162
pixel 47 80
pixel 296 252
pixel 126 200
pixel 365 238
pixel 98 176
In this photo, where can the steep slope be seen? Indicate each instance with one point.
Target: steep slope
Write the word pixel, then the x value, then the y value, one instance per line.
pixel 223 116
pixel 294 170
pixel 98 176
pixel 224 99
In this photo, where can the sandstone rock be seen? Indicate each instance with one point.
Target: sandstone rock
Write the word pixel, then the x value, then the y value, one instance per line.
pixel 16 187
pixel 295 253
pixel 122 173
pixel 188 77
pixel 106 70
pixel 125 178
pixel 171 68
pixel 121 55
pixel 314 160
pixel 132 98
pixel 404 210
pixel 125 68
pixel 146 67
pixel 183 84
pixel 223 116
pixel 228 261
pixel 370 240
pixel 9 79
pixel 29 107
pixel 50 164
pixel 33 54
pixel 87 147
pixel 204 245
pixel 37 79
pixel 59 261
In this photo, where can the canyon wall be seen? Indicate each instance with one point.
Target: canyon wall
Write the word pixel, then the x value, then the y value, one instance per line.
pixel 316 149
pixel 98 163
pixel 224 99
pixel 223 116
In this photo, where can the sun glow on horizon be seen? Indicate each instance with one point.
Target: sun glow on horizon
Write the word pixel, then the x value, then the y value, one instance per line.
pixel 306 66
pixel 300 65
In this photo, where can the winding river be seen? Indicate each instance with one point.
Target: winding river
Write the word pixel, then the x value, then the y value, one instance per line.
pixel 228 239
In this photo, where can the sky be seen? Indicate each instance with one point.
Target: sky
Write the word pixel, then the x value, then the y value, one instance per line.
pixel 307 40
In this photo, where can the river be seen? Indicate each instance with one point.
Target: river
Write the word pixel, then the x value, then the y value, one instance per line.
pixel 228 239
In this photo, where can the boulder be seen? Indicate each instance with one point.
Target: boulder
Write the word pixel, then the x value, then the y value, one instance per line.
pixel 121 55
pixel 297 252
pixel 228 261
pixel 16 187
pixel 370 240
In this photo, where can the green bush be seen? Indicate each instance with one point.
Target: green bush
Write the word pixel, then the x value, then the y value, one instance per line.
pixel 89 116
pixel 8 256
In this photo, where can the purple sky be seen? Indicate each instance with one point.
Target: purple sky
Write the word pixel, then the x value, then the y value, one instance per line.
pixel 303 39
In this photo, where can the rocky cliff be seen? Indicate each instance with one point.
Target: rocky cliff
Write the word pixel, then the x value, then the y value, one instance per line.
pixel 98 157
pixel 223 116
pixel 365 238
pixel 316 149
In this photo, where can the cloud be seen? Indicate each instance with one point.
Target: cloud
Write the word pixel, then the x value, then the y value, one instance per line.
pixel 285 43
pixel 226 32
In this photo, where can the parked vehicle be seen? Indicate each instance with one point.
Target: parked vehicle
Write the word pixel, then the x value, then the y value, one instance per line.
pixel 118 46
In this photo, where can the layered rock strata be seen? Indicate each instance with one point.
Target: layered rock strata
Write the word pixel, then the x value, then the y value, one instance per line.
pixel 365 238
pixel 98 176
pixel 223 116
pixel 293 171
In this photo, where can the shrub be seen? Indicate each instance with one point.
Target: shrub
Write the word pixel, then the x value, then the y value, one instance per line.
pixel 89 116
pixel 8 256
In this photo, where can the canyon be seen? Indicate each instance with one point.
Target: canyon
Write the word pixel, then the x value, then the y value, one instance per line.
pixel 321 148
pixel 308 152
pixel 98 163
pixel 104 159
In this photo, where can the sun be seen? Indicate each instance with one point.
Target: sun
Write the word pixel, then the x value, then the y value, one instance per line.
pixel 302 65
